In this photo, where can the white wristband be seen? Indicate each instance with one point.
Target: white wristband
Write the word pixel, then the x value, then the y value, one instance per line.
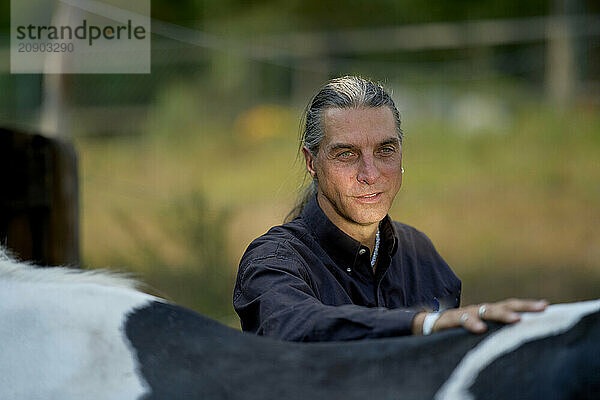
pixel 429 321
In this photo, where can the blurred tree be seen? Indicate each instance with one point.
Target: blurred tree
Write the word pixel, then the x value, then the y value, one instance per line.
pixel 4 16
pixel 357 13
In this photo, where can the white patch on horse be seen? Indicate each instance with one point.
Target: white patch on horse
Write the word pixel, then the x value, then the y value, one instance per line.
pixel 62 337
pixel 24 272
pixel 556 319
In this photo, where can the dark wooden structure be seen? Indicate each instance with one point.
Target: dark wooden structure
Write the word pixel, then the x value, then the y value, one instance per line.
pixel 39 198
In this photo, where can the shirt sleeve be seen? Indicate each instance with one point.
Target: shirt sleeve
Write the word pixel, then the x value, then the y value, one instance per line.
pixel 436 272
pixel 272 298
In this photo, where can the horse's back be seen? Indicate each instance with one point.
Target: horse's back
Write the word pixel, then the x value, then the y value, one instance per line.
pixel 63 341
pixel 68 335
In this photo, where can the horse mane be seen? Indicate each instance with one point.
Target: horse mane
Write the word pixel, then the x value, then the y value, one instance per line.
pixel 19 271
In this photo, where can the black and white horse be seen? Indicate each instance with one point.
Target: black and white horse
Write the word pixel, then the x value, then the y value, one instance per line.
pixel 67 334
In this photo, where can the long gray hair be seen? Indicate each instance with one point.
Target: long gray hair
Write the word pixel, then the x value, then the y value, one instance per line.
pixel 343 92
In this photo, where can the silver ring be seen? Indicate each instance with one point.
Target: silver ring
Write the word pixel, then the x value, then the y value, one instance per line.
pixel 481 311
pixel 464 318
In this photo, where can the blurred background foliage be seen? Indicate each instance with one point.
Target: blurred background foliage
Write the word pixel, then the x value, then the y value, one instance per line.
pixel 180 169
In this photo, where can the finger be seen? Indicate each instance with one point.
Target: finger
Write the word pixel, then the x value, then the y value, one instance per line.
pixel 481 311
pixel 521 305
pixel 500 312
pixel 472 323
pixel 503 315
pixel 508 311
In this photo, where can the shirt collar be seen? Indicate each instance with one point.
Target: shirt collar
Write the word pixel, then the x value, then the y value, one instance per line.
pixel 338 245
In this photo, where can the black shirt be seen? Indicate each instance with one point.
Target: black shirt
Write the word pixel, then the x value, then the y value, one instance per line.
pixel 307 280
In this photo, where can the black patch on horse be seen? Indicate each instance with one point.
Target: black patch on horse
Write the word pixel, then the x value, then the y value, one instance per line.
pixel 184 355
pixel 564 366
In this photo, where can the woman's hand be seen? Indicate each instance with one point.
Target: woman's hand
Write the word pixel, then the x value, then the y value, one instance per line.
pixel 472 317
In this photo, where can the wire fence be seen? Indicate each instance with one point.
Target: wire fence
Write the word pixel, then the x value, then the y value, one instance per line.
pixel 559 56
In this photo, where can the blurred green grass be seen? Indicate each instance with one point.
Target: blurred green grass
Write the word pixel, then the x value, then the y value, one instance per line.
pixel 513 210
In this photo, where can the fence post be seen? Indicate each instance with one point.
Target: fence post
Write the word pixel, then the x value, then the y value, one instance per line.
pixel 39 199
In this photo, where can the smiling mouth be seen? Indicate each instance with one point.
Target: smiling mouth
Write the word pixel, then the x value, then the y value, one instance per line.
pixel 368 196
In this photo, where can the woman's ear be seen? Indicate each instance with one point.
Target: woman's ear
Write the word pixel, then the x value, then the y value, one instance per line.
pixel 310 162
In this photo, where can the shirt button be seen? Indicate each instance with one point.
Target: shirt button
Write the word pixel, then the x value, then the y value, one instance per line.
pixel 362 251
pixel 348 269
